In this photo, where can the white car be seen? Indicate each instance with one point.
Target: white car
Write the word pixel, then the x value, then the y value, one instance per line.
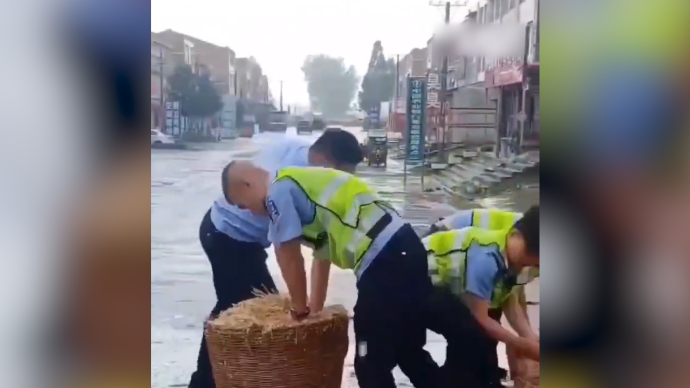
pixel 158 138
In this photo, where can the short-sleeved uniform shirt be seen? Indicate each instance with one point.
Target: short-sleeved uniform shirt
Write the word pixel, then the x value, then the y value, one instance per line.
pixel 290 210
pixel 486 267
pixel 241 224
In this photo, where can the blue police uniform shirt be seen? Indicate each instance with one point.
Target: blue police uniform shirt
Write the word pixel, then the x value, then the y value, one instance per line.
pixel 290 210
pixel 241 224
pixel 485 268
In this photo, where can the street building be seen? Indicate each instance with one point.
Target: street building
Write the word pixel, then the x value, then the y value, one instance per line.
pixel 490 101
pixel 240 81
pixel 513 82
pixel 472 114
pixel 218 60
pixel 252 84
pixel 160 55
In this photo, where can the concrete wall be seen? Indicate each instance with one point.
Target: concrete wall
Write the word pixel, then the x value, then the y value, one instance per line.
pixel 470 97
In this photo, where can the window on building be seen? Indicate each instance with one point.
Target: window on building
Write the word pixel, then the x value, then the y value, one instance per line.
pixel 490 11
pixel 480 14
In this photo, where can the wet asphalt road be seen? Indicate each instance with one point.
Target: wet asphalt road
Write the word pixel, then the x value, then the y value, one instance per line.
pixel 183 186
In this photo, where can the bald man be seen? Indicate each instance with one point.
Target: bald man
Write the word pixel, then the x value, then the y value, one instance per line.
pixel 364 234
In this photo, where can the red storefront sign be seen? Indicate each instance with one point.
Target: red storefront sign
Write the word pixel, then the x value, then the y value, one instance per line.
pixel 503 75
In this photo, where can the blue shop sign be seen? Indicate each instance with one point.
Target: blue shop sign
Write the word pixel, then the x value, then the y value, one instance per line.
pixel 416 102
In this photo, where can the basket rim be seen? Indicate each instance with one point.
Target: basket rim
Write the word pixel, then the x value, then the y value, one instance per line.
pixel 335 320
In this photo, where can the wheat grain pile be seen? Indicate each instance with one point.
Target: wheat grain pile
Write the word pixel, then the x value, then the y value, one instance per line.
pixel 270 311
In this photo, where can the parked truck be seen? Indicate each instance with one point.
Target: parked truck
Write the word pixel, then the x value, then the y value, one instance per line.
pixel 278 121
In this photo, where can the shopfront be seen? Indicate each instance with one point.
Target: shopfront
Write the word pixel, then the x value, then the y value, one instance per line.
pixel 507 79
pixel 156 109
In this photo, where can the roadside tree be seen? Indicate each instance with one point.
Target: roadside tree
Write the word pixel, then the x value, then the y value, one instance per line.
pixel 331 85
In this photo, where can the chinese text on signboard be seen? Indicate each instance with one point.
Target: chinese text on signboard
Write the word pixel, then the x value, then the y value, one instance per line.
pixel 434 88
pixel 416 105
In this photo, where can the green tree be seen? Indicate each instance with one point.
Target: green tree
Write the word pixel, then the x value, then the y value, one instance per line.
pixel 196 93
pixel 331 84
pixel 378 84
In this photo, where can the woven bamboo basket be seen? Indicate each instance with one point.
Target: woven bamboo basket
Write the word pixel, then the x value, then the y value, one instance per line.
pixel 256 344
pixel 528 376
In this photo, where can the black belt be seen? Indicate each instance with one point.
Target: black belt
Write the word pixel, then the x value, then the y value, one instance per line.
pixel 379 226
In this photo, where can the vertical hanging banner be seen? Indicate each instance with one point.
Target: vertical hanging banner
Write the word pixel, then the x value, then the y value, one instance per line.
pixel 416 121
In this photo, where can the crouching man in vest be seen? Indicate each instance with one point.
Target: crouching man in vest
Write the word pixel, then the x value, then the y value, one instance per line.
pixel 478 275
pixel 489 219
pixel 364 234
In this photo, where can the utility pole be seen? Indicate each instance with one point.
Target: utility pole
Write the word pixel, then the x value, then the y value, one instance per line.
pixel 445 45
pixel 161 99
pixel 234 83
pixel 281 96
pixel 396 92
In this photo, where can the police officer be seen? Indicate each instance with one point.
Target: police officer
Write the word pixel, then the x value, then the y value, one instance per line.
pixel 365 234
pixel 490 219
pixel 235 240
pixel 477 274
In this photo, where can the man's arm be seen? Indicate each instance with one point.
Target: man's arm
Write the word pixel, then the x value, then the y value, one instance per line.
pixel 482 270
pixel 285 233
pixel 320 271
pixel 517 318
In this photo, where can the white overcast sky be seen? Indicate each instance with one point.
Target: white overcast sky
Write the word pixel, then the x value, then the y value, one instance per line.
pixel 281 33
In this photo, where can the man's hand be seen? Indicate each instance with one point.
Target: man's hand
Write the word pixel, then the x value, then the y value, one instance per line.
pixel 291 262
pixel 494 329
pixel 530 349
pixel 300 315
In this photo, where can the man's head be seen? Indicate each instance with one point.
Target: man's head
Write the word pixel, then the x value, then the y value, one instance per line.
pixel 336 148
pixel 523 242
pixel 245 186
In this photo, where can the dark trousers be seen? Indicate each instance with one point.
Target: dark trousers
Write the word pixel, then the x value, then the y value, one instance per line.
pixel 390 327
pixel 471 357
pixel 238 269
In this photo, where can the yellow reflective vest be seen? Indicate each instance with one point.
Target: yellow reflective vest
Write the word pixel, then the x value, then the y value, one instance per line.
pixel 346 210
pixel 491 219
pixel 447 255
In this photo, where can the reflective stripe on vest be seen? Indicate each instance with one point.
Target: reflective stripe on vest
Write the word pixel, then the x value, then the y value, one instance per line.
pixel 494 219
pixel 346 209
pixel 447 259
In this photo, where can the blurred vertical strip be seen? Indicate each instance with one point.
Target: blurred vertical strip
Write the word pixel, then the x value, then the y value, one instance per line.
pixel 101 328
pixel 112 37
pixel 613 107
